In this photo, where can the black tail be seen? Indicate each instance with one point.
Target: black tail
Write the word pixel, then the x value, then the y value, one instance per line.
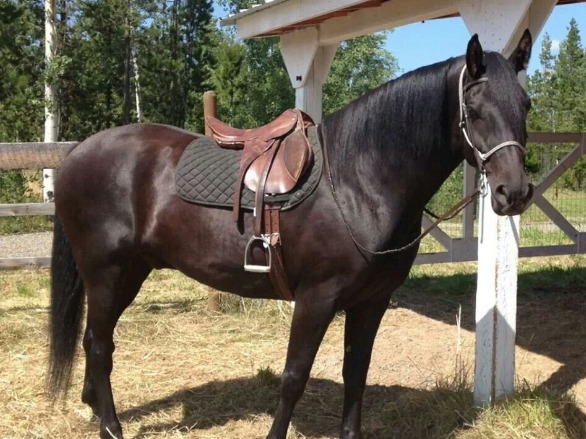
pixel 67 302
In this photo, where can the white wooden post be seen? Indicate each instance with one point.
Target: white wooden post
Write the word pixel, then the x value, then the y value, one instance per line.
pixel 499 25
pixel 308 65
pixel 51 122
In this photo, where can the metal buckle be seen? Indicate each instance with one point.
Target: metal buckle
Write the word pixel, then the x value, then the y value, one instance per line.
pixel 483 184
pixel 266 240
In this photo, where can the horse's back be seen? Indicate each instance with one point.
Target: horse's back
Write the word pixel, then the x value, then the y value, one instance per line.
pixel 107 185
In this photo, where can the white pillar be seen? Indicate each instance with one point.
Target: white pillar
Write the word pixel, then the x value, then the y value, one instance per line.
pixel 51 120
pixel 499 24
pixel 308 65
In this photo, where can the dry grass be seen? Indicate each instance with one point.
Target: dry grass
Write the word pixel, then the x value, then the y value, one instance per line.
pixel 181 372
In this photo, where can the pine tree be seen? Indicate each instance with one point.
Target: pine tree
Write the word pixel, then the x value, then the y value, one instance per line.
pixel 360 65
pixel 542 89
pixel 21 70
pixel 570 73
pixel 229 80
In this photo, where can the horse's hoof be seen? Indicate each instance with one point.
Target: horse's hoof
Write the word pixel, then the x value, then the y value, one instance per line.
pixel 111 431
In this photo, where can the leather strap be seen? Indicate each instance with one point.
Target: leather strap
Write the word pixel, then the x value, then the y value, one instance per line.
pixel 278 275
pixel 258 149
pixel 260 190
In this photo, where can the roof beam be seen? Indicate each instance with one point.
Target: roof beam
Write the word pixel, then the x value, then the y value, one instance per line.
pixel 389 15
pixel 287 13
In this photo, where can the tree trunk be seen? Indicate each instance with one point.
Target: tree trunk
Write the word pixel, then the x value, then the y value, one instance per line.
pixel 136 85
pixel 127 67
pixel 51 110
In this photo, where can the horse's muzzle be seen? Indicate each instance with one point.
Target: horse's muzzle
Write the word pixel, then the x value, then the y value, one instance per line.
pixel 511 199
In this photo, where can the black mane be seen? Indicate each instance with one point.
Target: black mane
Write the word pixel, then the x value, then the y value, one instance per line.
pixel 403 117
pixel 408 117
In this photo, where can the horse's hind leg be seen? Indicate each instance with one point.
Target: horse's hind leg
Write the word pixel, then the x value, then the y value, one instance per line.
pixel 311 319
pixel 362 322
pixel 109 292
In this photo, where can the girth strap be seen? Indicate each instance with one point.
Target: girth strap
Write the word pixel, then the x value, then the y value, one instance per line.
pixel 277 274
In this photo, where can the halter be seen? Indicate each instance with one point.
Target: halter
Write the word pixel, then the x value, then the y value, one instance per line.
pixel 465 124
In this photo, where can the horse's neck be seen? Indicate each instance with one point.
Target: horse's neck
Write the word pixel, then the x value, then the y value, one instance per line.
pixel 383 190
pixel 385 200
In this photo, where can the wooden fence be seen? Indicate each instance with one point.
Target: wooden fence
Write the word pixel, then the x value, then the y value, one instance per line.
pixel 50 155
pixel 466 247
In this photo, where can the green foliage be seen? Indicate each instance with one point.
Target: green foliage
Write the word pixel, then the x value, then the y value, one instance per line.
pixel 15 187
pixel 532 163
pixel 450 192
pixel 229 80
pixel 253 85
pixel 12 187
pixel 558 92
pixel 21 70
pixel 360 65
pixel 269 90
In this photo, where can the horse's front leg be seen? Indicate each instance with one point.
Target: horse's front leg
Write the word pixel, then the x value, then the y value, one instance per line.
pixel 362 322
pixel 311 319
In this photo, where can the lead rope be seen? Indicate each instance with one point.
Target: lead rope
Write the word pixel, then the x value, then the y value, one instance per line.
pixel 453 211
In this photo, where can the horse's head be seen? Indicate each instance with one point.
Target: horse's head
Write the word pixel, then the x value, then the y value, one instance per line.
pixel 492 113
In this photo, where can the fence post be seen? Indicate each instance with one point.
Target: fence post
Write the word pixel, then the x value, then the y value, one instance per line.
pixel 209 109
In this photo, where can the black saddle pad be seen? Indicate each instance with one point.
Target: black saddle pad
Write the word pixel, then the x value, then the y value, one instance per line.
pixel 206 174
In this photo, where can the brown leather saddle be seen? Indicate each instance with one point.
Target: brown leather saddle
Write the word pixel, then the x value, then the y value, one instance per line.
pixel 274 157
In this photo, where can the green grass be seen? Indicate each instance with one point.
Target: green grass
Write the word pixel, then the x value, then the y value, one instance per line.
pixel 24 291
pixel 25 224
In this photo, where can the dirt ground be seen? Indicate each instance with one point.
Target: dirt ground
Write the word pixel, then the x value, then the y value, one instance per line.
pixel 181 372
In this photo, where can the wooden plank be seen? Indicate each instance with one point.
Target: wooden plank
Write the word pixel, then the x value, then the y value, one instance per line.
pixel 565 163
pixel 389 15
pixel 464 249
pixel 298 49
pixel 34 155
pixel 27 209
pixel 548 250
pixel 19 263
pixel 496 304
pixel 258 21
pixel 557 218
pixel 581 243
pixel 432 258
pixel 555 137
pixel 438 234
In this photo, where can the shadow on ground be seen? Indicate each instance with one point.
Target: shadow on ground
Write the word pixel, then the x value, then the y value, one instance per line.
pixel 389 411
pixel 550 313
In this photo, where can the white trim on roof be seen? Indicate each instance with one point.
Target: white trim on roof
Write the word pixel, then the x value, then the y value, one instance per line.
pixel 231 20
pixel 260 20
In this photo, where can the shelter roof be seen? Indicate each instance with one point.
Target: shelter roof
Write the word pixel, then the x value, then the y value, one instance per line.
pixel 276 17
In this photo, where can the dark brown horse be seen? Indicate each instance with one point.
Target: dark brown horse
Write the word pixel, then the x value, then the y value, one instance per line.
pixel 118 216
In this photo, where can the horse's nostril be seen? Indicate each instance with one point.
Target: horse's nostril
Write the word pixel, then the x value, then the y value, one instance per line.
pixel 502 190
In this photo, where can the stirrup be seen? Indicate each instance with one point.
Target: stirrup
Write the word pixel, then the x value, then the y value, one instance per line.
pixel 258 268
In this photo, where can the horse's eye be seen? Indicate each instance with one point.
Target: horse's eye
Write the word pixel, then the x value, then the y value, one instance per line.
pixel 472 114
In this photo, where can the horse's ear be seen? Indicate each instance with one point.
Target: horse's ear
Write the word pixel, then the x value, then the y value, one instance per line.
pixel 474 55
pixel 522 54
